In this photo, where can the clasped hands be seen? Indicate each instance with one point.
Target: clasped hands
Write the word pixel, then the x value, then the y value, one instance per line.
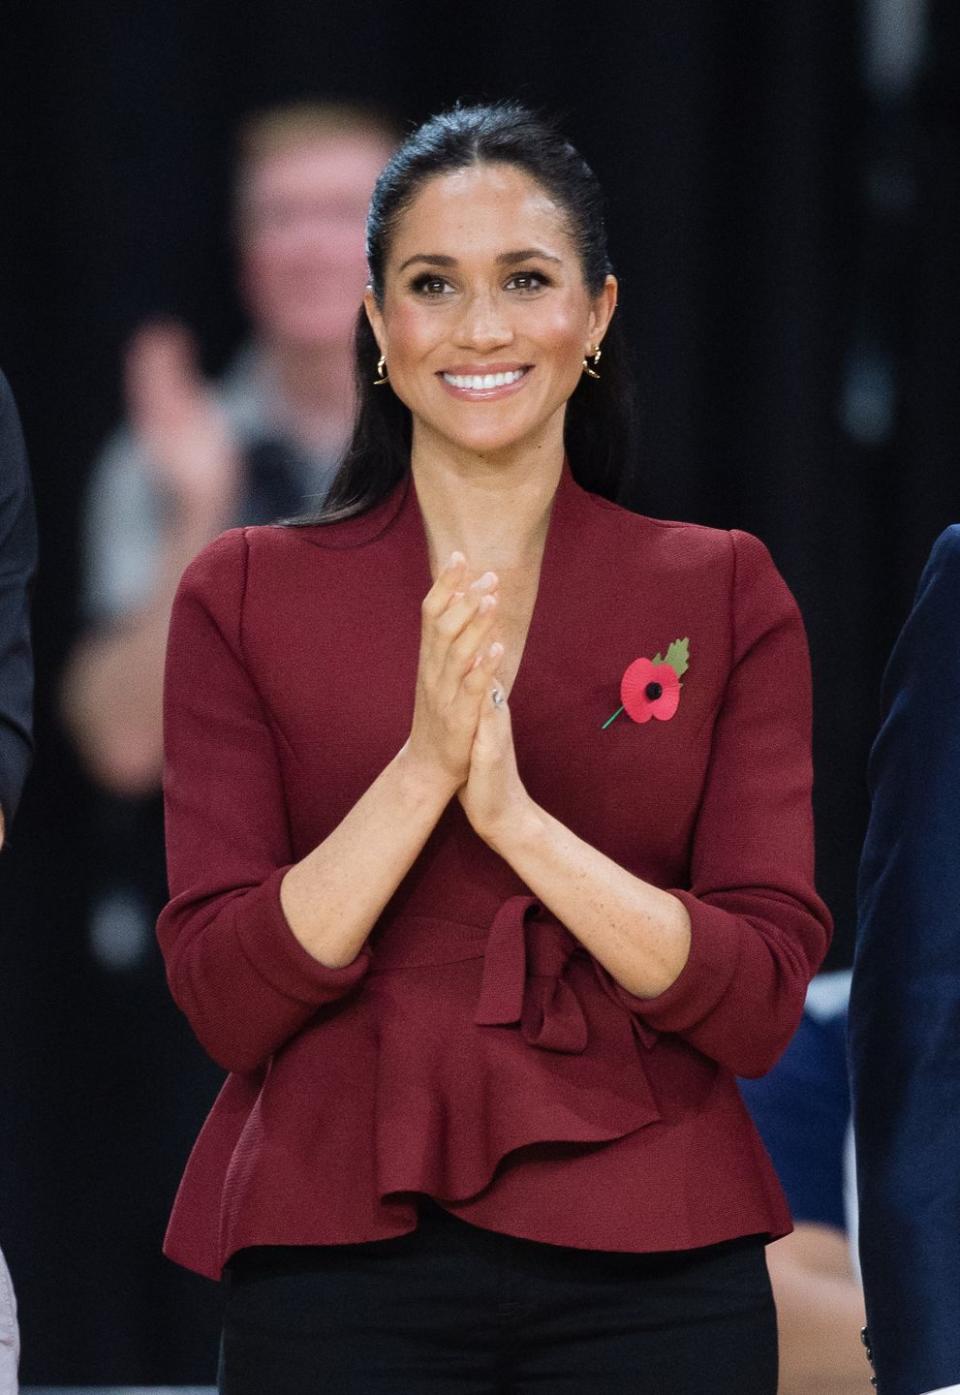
pixel 460 738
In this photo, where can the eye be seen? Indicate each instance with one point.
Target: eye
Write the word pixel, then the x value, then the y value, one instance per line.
pixel 528 281
pixel 429 284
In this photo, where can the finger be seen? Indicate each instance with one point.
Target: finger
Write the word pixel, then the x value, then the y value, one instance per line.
pixel 494 734
pixel 451 641
pixel 446 676
pixel 479 680
pixel 462 652
pixel 460 612
pixel 463 605
pixel 449 580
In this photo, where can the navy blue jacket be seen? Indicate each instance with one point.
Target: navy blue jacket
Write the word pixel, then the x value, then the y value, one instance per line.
pixel 18 557
pixel 905 1002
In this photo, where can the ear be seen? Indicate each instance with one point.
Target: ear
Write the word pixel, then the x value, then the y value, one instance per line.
pixel 375 318
pixel 601 311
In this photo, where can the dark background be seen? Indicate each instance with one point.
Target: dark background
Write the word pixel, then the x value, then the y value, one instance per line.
pixel 784 184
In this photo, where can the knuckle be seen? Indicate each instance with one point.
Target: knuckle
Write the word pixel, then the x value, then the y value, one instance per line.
pixel 450 623
pixel 464 648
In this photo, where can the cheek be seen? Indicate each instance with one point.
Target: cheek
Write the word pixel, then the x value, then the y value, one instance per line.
pixel 563 334
pixel 410 333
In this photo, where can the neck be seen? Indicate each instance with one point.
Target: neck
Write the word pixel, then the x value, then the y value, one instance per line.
pixel 495 509
pixel 315 387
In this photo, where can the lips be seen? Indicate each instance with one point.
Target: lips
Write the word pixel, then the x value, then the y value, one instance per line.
pixel 479 381
pixel 484 382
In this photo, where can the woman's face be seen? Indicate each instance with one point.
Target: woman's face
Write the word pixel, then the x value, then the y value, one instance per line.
pixel 485 317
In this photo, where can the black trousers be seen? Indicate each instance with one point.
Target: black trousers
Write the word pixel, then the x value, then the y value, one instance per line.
pixel 455 1310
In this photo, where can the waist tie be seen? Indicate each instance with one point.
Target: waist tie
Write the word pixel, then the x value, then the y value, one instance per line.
pixel 523 982
pixel 525 956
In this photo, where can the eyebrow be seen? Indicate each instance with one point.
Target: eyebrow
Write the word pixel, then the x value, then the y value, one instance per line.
pixel 524 254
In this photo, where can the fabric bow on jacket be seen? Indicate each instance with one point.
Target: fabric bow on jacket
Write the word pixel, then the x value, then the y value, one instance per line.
pixel 524 962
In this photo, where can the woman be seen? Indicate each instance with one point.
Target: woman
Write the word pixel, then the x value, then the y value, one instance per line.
pixel 490 850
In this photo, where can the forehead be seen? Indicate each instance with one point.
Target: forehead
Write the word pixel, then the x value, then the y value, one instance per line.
pixel 336 166
pixel 481 209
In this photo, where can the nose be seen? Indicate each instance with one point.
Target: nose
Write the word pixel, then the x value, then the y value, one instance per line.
pixel 484 324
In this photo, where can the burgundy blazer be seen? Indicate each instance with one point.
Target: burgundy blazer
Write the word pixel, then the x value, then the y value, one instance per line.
pixel 474 1051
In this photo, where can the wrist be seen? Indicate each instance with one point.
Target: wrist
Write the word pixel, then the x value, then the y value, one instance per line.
pixel 422 785
pixel 519 827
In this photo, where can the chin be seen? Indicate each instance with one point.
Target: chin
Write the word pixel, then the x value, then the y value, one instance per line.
pixel 491 445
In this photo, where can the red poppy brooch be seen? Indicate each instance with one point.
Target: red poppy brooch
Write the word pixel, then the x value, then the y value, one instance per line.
pixel 651 687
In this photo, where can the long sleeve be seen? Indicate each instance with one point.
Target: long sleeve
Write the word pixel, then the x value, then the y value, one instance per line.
pixel 18 559
pixel 234 967
pixel 905 1003
pixel 758 930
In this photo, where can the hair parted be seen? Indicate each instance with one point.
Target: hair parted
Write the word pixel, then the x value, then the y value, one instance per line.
pixel 599 421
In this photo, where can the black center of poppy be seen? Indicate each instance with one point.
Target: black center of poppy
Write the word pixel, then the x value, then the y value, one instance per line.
pixel 653 691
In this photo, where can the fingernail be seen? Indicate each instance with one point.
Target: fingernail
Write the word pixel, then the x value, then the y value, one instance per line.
pixel 484 583
pixel 457 559
pixel 495 651
pixel 486 603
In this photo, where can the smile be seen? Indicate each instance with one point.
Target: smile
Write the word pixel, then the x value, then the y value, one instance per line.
pixel 483 384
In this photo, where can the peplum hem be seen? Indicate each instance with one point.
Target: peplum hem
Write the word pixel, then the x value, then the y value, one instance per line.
pixel 470 1059
pixel 546 1058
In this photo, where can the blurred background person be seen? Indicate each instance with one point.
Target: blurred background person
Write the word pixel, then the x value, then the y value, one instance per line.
pixel 195 459
pixel 192 459
pixel 18 559
pixel 802 1111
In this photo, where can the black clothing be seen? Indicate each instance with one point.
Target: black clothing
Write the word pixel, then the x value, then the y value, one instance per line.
pixel 452 1309
pixel 18 560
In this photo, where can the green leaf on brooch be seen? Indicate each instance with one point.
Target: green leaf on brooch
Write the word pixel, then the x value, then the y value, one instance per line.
pixel 677 656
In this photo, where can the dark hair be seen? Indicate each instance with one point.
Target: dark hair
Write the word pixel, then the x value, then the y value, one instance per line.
pixel 598 427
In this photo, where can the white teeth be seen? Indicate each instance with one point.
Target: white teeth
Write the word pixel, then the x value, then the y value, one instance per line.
pixel 477 382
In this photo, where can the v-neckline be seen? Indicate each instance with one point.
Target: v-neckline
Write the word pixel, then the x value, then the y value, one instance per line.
pixel 552 569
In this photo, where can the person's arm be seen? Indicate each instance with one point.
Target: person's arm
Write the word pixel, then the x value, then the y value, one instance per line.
pixel 18 556
pixel 905 1001
pixel 113 685
pixel 819 1313
pixel 802 1112
pixel 726 961
pixel 179 448
pixel 254 942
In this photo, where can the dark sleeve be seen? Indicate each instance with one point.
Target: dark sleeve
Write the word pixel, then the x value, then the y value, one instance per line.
pixel 802 1112
pixel 758 929
pixel 244 981
pixel 18 560
pixel 905 1002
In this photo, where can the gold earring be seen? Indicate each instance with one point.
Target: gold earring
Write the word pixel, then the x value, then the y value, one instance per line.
pixel 381 369
pixel 596 356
